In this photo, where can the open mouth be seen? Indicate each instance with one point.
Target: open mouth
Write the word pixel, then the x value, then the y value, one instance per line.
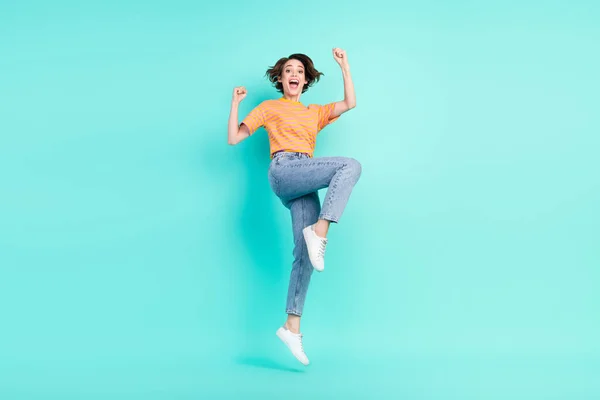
pixel 294 83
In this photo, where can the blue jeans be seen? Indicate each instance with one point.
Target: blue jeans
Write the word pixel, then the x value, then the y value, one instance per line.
pixel 295 179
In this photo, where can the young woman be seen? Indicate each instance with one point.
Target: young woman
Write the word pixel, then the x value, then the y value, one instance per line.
pixel 295 176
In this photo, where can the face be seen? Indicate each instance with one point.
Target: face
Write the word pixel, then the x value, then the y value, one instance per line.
pixel 292 77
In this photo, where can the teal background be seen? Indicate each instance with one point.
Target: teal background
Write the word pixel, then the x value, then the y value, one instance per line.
pixel 141 257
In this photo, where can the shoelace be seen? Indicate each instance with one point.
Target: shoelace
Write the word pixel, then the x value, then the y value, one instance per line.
pixel 322 248
pixel 301 345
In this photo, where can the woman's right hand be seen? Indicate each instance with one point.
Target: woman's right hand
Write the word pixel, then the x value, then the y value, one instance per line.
pixel 239 93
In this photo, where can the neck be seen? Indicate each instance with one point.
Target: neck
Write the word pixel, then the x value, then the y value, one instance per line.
pixel 292 98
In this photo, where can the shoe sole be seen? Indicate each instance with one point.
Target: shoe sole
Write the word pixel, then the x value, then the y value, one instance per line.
pixel 280 336
pixel 305 234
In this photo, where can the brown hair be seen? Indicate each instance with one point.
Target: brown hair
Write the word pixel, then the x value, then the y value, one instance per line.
pixel 310 73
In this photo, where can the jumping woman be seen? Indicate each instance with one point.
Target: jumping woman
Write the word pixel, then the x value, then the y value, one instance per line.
pixel 295 176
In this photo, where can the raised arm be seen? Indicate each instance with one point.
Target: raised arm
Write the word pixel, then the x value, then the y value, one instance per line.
pixel 236 133
pixel 349 101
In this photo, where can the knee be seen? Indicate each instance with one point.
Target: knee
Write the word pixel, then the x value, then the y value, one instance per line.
pixel 354 167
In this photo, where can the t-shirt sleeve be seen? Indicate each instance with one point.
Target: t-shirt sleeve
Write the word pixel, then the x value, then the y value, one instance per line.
pixel 324 115
pixel 255 119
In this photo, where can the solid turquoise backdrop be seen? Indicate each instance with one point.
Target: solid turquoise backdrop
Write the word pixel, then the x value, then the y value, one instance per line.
pixel 141 257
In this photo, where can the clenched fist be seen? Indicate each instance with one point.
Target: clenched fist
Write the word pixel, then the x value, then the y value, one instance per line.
pixel 239 93
pixel 340 56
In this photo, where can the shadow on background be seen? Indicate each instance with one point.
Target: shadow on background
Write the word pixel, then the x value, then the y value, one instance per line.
pixel 261 272
pixel 263 238
pixel 264 362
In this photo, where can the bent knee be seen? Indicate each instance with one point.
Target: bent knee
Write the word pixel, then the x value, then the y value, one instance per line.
pixel 354 166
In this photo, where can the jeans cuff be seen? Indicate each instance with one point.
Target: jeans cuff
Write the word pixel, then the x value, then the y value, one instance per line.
pixel 294 312
pixel 329 218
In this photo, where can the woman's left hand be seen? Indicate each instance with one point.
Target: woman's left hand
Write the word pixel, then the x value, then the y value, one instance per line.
pixel 340 57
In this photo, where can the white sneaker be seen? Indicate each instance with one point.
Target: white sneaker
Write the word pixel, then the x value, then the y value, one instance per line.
pixel 294 342
pixel 316 248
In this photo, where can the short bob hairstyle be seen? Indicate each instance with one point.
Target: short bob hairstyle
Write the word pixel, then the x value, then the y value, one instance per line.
pixel 310 73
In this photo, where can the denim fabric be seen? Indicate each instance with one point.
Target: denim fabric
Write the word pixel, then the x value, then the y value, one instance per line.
pixel 295 179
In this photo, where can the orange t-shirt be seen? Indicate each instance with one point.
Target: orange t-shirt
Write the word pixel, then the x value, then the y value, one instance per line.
pixel 291 125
